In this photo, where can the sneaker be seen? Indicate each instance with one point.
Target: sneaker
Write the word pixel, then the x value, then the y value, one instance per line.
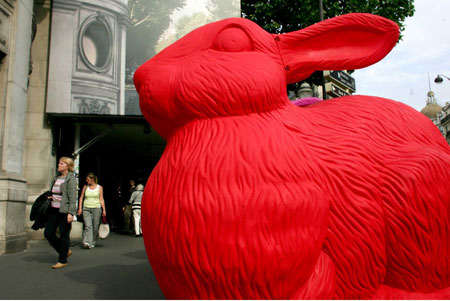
pixel 86 245
pixel 69 253
pixel 59 265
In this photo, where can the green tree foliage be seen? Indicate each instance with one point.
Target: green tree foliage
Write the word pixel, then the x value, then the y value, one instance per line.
pixel 183 26
pixel 280 16
pixel 188 23
pixel 222 9
pixel 149 19
pixel 277 16
pixel 216 10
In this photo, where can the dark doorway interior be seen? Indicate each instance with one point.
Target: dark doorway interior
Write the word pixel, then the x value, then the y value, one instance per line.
pixel 115 148
pixel 128 151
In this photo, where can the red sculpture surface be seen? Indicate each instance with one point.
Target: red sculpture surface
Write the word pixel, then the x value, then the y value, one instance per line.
pixel 256 198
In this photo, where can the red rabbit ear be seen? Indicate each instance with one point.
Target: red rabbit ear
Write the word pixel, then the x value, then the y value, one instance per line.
pixel 349 41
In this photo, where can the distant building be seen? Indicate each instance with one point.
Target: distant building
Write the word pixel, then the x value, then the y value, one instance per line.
pixel 432 110
pixel 445 121
pixel 439 115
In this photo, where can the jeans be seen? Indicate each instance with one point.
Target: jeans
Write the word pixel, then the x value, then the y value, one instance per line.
pixel 91 218
pixel 62 243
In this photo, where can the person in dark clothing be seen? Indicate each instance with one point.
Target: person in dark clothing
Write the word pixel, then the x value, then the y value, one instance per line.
pixel 39 210
pixel 117 223
pixel 128 211
pixel 62 209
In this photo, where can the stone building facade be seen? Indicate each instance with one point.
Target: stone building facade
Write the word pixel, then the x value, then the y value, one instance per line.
pixel 16 34
pixel 444 119
pixel 63 93
pixel 438 114
pixel 30 92
pixel 87 57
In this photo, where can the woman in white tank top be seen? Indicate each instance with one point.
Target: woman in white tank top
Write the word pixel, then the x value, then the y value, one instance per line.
pixel 92 205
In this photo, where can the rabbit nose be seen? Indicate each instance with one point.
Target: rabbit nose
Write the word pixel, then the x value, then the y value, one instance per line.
pixel 156 78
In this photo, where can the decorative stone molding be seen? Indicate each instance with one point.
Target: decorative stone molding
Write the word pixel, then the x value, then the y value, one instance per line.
pixel 13 198
pixel 66 4
pixel 13 190
pixel 124 21
pixel 10 3
pixel 4 31
pixel 86 65
pixel 85 105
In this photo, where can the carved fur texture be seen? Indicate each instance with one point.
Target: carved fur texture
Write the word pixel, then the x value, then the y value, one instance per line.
pixel 256 198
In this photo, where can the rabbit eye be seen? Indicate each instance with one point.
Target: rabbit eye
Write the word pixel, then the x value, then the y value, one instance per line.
pixel 232 39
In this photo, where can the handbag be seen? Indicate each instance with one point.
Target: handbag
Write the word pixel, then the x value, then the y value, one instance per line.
pixel 80 218
pixel 103 230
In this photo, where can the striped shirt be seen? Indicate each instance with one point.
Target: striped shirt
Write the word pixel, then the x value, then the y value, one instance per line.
pixel 57 194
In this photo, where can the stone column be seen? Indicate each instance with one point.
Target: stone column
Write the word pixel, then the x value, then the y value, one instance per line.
pixel 13 104
pixel 123 22
pixel 40 162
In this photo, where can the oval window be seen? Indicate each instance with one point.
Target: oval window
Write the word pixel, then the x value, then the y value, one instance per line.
pixel 96 44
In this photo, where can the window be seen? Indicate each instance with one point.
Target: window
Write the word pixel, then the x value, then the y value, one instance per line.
pixel 96 43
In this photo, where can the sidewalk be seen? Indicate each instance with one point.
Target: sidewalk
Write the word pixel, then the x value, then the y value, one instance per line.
pixel 115 269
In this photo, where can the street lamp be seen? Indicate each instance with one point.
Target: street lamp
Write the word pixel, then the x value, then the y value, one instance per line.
pixel 439 78
pixel 324 89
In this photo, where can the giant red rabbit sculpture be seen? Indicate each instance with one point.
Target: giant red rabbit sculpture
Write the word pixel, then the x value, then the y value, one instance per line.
pixel 255 198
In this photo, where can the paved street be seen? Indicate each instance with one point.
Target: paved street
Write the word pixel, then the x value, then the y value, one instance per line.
pixel 116 269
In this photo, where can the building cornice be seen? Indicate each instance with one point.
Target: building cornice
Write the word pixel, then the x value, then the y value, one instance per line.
pixel 124 21
pixel 113 6
pixel 66 4
pixel 9 4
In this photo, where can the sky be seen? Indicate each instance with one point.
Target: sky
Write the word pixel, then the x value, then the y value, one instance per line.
pixel 425 49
